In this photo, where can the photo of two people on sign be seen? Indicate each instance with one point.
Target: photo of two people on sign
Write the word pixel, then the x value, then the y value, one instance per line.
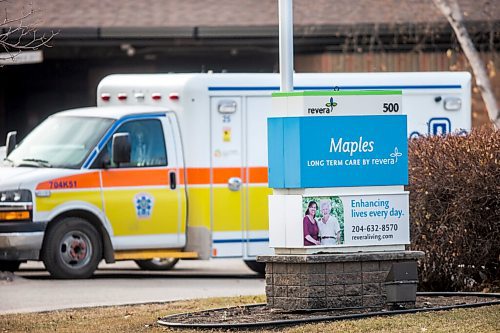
pixel 323 221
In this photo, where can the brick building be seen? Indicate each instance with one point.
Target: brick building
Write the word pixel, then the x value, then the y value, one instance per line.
pixel 99 37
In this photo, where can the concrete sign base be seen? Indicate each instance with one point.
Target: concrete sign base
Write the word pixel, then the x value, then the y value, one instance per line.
pixel 306 282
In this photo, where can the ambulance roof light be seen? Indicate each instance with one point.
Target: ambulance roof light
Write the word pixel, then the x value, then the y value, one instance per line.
pixel 156 96
pixel 105 97
pixel 122 96
pixel 173 96
pixel 139 96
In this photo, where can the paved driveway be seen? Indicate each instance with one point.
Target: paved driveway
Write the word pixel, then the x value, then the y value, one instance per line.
pixel 32 289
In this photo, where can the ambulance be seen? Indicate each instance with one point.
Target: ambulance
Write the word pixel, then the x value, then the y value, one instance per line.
pixel 172 166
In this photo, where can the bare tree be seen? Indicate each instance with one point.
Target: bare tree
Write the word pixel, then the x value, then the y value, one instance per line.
pixel 19 32
pixel 451 10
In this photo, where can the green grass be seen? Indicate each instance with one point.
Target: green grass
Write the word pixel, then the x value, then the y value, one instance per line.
pixel 142 318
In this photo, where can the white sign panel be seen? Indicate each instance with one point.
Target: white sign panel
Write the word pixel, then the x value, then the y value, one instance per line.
pixel 25 57
pixel 337 103
pixel 355 220
pixel 376 220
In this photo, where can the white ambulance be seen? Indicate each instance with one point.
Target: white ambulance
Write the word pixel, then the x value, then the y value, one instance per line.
pixel 172 166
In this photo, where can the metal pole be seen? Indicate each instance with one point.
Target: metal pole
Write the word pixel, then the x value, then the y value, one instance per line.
pixel 286 44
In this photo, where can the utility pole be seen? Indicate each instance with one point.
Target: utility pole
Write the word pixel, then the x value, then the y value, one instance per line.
pixel 286 44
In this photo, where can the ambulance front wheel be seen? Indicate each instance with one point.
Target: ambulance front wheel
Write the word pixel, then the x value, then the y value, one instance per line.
pixel 257 267
pixel 72 249
pixel 157 264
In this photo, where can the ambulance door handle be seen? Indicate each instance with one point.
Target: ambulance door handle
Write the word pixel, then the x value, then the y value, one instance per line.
pixel 173 180
pixel 234 183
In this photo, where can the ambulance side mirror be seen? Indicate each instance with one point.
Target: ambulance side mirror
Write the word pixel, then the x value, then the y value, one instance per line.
pixel 121 148
pixel 11 142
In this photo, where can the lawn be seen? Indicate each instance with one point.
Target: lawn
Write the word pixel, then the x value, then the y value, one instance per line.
pixel 142 318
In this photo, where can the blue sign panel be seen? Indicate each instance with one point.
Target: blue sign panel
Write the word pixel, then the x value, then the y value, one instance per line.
pixel 336 151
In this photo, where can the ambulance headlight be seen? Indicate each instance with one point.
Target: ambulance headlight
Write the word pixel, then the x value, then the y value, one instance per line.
pixel 15 196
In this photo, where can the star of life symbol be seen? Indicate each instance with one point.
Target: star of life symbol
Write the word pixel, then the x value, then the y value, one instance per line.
pixel 143 203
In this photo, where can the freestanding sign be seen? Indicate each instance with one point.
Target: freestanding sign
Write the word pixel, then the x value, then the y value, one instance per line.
pixel 338 162
pixel 338 187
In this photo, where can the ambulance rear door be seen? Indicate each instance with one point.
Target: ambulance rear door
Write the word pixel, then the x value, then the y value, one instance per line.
pixel 227 176
pixel 256 225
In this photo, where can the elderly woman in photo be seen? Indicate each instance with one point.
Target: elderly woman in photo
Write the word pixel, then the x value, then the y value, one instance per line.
pixel 329 227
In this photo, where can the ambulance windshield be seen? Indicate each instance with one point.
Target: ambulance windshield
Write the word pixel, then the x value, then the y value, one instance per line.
pixel 60 142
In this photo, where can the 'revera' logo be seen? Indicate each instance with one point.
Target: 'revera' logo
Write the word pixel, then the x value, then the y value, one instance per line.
pixel 326 110
pixel 331 104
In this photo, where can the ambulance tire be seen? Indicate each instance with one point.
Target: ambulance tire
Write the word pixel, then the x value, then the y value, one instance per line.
pixel 157 264
pixel 257 267
pixel 9 265
pixel 72 249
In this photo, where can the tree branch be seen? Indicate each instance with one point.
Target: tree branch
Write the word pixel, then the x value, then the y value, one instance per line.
pixel 21 33
pixel 451 10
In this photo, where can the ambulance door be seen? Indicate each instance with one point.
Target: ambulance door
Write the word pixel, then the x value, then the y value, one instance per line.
pixel 143 200
pixel 226 176
pixel 256 188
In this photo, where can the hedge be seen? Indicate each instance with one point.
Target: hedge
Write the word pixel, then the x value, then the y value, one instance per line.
pixel 454 184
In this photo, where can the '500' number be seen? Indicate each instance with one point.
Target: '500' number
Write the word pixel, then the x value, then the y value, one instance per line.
pixel 390 107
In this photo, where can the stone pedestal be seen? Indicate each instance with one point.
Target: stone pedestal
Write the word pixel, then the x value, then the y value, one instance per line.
pixel 305 282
